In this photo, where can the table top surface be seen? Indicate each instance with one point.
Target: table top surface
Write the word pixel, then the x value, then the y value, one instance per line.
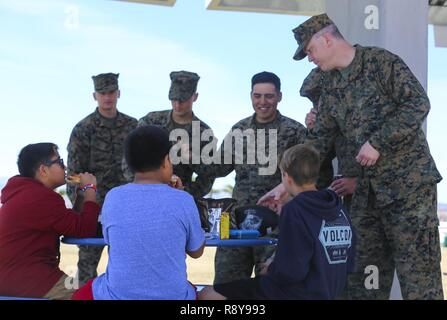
pixel 208 242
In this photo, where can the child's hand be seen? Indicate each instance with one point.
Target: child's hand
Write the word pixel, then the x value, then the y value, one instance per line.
pixel 265 265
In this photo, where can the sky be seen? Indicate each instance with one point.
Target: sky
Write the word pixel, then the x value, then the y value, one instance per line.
pixel 49 49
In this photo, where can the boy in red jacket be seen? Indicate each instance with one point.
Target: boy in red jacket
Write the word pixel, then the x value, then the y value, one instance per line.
pixel 33 217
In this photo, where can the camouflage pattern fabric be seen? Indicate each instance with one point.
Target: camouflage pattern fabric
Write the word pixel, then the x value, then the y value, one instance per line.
pixel 232 264
pixel 311 89
pixel 378 99
pixel 347 165
pixel 88 260
pixel 183 85
pixel 237 263
pixel 202 184
pixel 96 145
pixel 326 173
pixel 312 86
pixel 304 32
pixel 106 82
pixel 409 242
pixel 341 149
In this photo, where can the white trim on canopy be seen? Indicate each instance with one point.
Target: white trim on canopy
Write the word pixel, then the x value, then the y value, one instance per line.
pixel 159 2
pixel 437 14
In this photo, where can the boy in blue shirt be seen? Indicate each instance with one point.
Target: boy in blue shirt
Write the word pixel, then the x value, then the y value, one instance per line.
pixel 149 227
pixel 315 243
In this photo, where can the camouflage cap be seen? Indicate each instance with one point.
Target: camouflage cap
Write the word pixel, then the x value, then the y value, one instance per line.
pixel 183 85
pixel 311 87
pixel 106 82
pixel 304 32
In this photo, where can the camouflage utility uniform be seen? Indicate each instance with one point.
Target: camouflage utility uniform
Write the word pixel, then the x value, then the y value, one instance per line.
pixel 343 151
pixel 201 185
pixel 96 146
pixel 377 99
pixel 237 263
pixel 311 89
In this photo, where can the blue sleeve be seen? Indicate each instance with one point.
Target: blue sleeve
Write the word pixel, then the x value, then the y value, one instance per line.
pixel 104 215
pixel 195 235
pixel 295 249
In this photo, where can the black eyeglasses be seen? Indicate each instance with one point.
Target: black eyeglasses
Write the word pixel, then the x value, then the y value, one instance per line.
pixel 59 161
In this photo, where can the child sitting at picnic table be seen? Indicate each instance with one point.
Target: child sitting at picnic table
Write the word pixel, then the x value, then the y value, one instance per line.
pixel 315 242
pixel 149 227
pixel 33 217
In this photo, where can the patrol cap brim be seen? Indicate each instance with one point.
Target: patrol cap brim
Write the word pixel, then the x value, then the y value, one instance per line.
pixel 305 31
pixel 300 52
pixel 179 94
pixel 107 89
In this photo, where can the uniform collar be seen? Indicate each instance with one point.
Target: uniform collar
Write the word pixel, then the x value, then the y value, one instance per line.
pixel 109 123
pixel 274 122
pixel 355 67
pixel 170 121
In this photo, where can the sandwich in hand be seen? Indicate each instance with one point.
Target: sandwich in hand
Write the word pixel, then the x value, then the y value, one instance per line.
pixel 174 180
pixel 73 179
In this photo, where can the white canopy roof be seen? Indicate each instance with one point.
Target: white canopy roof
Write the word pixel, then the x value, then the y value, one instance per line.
pixel 437 10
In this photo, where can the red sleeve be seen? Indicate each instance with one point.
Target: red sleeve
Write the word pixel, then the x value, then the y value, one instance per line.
pixel 57 217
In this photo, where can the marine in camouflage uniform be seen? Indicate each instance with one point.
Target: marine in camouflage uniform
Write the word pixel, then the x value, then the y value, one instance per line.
pixel 311 89
pixel 343 151
pixel 377 99
pixel 183 89
pixel 96 146
pixel 237 263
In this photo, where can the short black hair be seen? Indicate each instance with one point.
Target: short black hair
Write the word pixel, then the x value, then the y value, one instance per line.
pixel 266 77
pixel 146 147
pixel 33 155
